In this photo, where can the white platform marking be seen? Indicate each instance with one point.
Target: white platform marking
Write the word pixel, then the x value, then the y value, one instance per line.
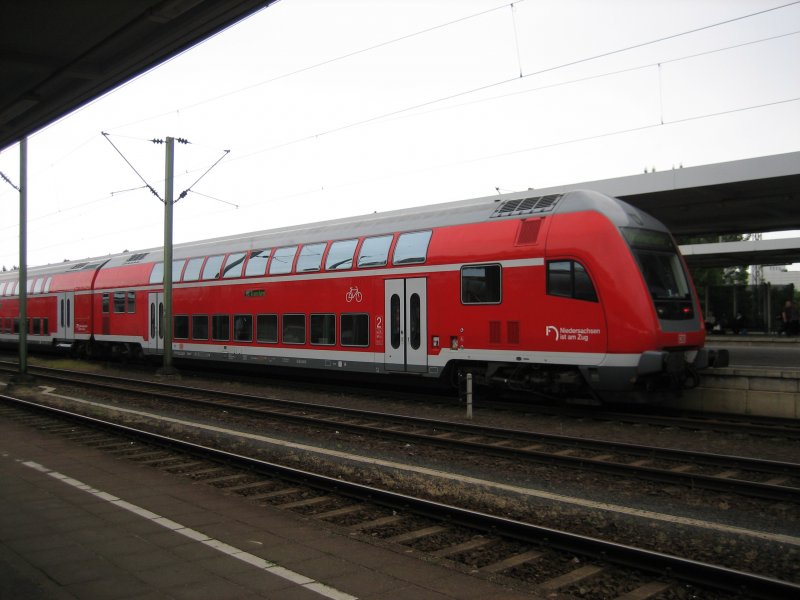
pixel 200 537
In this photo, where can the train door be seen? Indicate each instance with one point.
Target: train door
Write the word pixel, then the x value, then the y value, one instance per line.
pixel 155 321
pixel 66 316
pixel 406 313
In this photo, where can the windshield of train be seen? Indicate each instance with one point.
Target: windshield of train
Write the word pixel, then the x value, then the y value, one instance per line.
pixel 663 272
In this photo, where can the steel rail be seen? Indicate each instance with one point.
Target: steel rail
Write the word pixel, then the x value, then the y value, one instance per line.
pixel 720 484
pixel 695 572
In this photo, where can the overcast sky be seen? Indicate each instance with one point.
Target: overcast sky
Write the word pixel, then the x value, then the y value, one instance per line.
pixel 346 107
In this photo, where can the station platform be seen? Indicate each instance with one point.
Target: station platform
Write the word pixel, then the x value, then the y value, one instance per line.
pixel 77 523
pixel 763 378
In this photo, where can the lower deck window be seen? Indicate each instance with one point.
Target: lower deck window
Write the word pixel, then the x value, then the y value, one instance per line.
pixel 355 330
pixel 181 329
pixel 243 328
pixel 200 327
pixel 267 329
pixel 323 330
pixel 294 329
pixel 221 328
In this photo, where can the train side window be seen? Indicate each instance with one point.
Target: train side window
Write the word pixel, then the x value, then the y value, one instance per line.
pixel 243 328
pixel 355 330
pixel 414 321
pixel 119 302
pixel 213 267
pixel 37 327
pixel 310 258
pixel 106 303
pixel 559 278
pixel 584 288
pixel 374 251
pixel 29 286
pixel 199 327
pixel 294 329
pixel 181 327
pixel 192 272
pixel 257 263
pixel 233 266
pixel 221 328
pixel 2 288
pixel 177 269
pixel 131 302
pixel 481 284
pixel 45 326
pixel 37 287
pixel 322 330
pixel 157 274
pixel 267 329
pixel 340 256
pixel 569 279
pixel 282 260
pixel 394 332
pixel 16 325
pixel 411 248
pixel 47 285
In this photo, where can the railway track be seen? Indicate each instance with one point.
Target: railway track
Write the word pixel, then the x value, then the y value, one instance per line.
pixel 659 417
pixel 653 416
pixel 545 560
pixel 756 478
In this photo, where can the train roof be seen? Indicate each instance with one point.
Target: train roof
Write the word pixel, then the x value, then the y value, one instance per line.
pixel 517 205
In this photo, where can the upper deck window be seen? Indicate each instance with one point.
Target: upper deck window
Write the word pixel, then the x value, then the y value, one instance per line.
pixel 374 251
pixel 233 266
pixel 157 274
pixel 412 248
pixel 310 258
pixel 192 272
pixel 282 260
pixel 257 264
pixel 47 284
pixel 340 256
pixel 177 268
pixel 213 267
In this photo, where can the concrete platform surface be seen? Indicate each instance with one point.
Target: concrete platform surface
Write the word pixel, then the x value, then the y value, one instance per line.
pixel 78 523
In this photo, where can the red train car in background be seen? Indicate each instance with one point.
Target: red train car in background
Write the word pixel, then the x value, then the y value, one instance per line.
pixel 562 294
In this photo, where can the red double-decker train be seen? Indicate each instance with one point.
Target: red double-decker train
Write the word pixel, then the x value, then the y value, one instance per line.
pixel 559 294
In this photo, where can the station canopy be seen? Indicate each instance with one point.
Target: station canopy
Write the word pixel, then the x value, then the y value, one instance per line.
pixel 753 195
pixel 57 56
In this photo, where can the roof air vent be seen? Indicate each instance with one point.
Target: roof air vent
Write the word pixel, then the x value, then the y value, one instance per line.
pixel 526 206
pixel 135 258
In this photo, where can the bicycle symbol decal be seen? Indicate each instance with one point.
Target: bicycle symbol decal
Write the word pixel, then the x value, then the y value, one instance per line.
pixel 354 294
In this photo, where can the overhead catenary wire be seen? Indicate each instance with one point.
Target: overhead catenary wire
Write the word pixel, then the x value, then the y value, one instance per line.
pixel 329 61
pixel 514 79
